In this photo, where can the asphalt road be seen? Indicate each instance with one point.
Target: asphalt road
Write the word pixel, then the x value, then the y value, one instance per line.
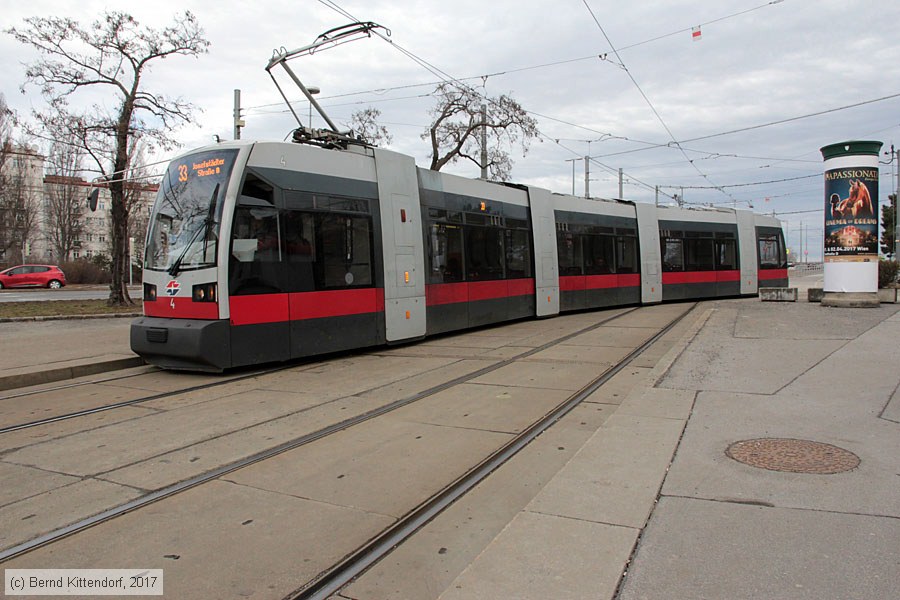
pixel 74 292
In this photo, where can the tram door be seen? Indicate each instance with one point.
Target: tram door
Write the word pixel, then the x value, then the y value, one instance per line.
pixel 403 246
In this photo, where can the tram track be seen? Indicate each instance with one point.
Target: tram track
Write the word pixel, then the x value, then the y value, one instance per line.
pixel 342 574
pixel 132 402
pixel 485 467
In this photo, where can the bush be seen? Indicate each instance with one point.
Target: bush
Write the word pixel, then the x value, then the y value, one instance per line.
pixel 85 271
pixel 887 272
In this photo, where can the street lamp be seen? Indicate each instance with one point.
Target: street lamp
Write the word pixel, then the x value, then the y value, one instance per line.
pixel 312 90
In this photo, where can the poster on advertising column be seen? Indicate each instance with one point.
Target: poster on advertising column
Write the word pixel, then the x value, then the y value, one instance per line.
pixel 851 214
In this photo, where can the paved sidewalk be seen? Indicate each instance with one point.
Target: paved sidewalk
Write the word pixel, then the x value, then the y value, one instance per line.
pixel 36 352
pixel 654 496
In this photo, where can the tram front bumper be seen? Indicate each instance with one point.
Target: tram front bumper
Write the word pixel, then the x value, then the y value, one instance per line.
pixel 186 344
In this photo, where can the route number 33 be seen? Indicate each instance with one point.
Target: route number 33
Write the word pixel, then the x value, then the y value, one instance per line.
pixel 182 173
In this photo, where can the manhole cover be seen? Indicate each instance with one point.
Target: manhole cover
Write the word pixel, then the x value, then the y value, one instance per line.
pixel 793 456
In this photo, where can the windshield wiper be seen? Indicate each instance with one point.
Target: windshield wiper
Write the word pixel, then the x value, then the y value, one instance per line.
pixel 207 223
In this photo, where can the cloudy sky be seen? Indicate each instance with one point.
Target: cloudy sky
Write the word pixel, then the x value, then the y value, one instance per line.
pixel 742 101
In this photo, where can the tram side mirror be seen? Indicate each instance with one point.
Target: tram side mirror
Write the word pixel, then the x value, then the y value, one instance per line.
pixel 92 199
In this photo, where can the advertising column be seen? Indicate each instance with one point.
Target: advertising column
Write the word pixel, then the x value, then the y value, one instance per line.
pixel 851 218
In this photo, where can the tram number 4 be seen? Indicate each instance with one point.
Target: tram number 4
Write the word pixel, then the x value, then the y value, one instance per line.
pixel 172 303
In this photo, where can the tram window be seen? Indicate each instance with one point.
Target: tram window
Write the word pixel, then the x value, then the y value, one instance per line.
pixel 254 187
pixel 771 255
pixel 726 255
pixel 255 235
pixel 345 244
pixel 484 253
pixel 518 254
pixel 673 255
pixel 599 254
pixel 627 255
pixel 698 254
pixel 445 253
pixel 569 253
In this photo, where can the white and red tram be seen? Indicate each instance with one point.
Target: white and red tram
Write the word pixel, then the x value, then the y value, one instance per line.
pixel 265 252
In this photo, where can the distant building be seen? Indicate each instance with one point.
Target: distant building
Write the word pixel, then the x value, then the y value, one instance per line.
pixel 88 231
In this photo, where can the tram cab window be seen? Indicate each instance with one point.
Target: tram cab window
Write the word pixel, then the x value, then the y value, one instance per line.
pixel 255 234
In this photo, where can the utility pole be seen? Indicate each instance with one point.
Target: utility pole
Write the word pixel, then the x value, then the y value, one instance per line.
pixel 657 196
pixel 238 122
pixel 621 197
pixel 897 212
pixel 484 142
pixel 587 177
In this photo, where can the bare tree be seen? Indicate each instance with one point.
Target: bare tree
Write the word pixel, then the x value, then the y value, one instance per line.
pixel 66 197
pixel 115 53
pixel 364 123
pixel 459 116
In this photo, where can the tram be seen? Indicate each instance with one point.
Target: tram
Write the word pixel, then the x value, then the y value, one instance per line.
pixel 261 252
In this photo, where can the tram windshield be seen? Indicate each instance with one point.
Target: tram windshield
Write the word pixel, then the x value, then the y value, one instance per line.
pixel 184 229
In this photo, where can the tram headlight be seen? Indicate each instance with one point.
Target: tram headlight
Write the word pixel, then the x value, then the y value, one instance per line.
pixel 204 292
pixel 149 292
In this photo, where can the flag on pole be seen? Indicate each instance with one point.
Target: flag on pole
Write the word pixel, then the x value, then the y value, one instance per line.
pixel 695 33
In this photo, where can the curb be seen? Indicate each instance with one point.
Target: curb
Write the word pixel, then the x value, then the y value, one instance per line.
pixel 10 382
pixel 68 317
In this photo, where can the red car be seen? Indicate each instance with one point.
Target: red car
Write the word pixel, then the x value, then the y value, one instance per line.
pixel 49 276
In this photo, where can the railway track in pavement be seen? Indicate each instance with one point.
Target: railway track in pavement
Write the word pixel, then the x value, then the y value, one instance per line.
pixel 343 570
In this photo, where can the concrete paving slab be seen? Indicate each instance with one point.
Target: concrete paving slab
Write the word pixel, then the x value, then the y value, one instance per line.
pixel 616 476
pixel 38 344
pixel 715 365
pixel 178 465
pixel 617 337
pixel 891 410
pixel 722 551
pixel 533 558
pixel 210 394
pixel 108 448
pixel 352 375
pixel 484 407
pixel 617 389
pixel 53 431
pixel 24 409
pixel 658 402
pixel 599 355
pixel 797 322
pixel 386 466
pixel 18 483
pixel 219 541
pixel 168 381
pixel 426 564
pixel 657 316
pixel 419 383
pixel 483 341
pixel 703 470
pixel 58 507
pixel 570 376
